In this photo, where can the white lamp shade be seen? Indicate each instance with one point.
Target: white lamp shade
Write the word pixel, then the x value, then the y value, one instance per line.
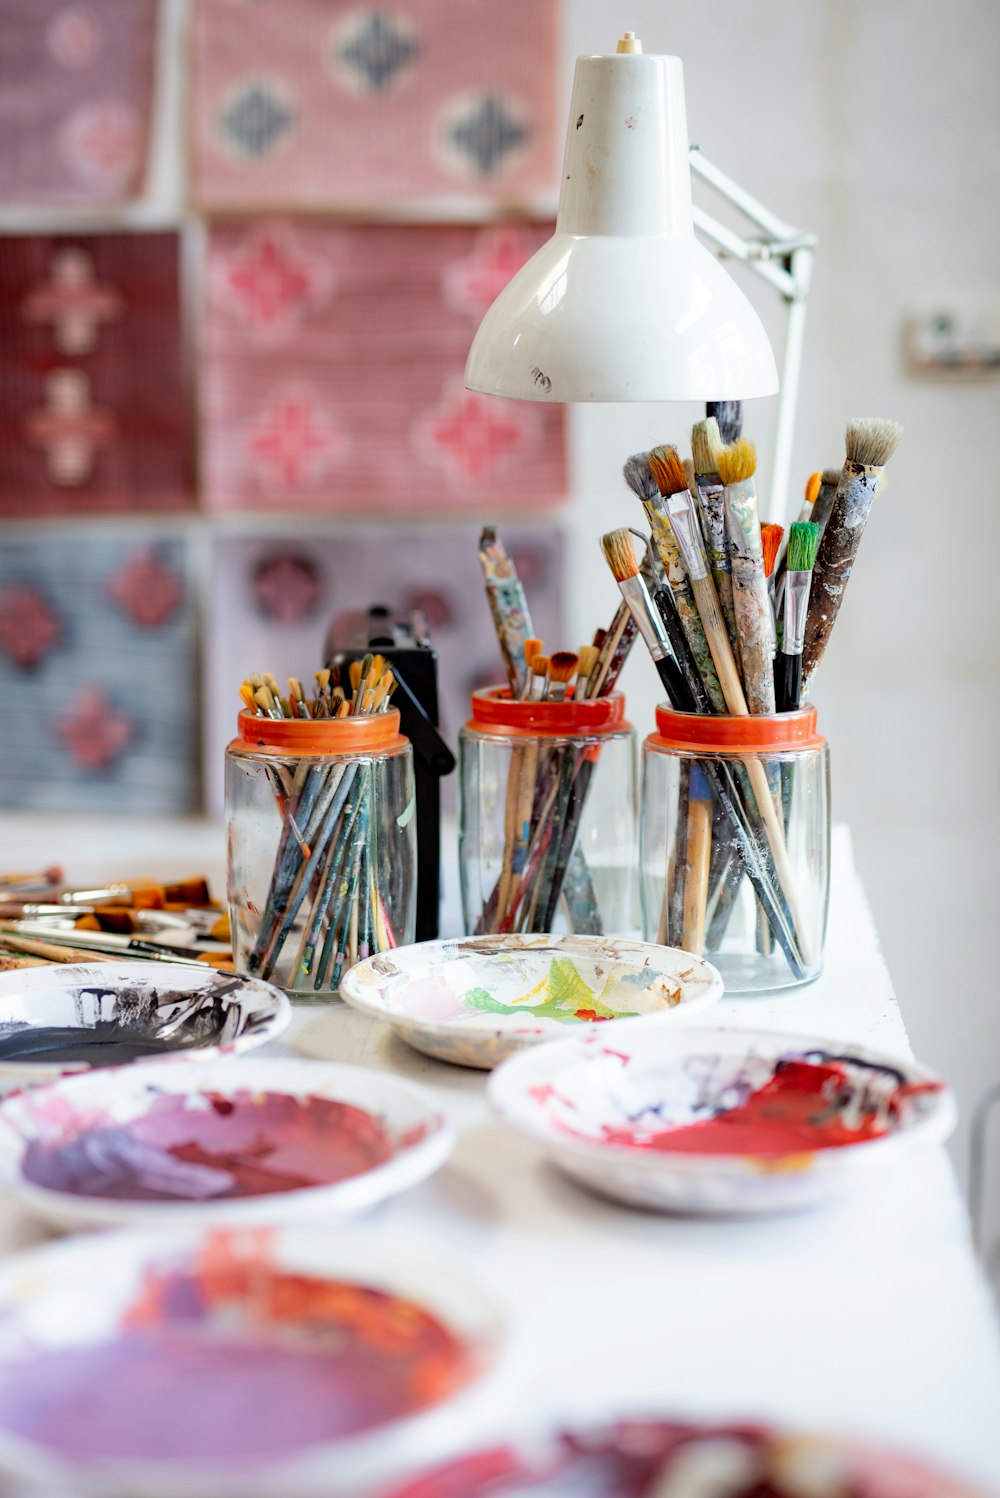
pixel 623 303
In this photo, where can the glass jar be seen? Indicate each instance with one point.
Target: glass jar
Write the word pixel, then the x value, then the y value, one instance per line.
pixel 546 821
pixel 734 852
pixel 321 846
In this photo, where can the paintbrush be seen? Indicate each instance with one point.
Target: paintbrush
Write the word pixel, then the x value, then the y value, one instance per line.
pixel 705 445
pixel 508 605
pixel 641 474
pixel 619 554
pixel 803 543
pixel 770 544
pixel 562 667
pixel 729 417
pixel 40 880
pixel 824 501
pixel 86 941
pixel 737 466
pixel 871 442
pixel 697 855
pixel 532 647
pixel 813 484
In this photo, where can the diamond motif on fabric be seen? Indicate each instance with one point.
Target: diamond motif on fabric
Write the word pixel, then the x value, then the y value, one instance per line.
pixel 146 590
pixel 28 626
pixel 482 133
pixel 271 280
pixel 100 143
pixel 73 301
pixel 92 733
pixel 256 118
pixel 69 428
pixel 74 38
pixel 473 436
pixel 287 588
pixel 294 441
pixel 373 50
pixel 474 283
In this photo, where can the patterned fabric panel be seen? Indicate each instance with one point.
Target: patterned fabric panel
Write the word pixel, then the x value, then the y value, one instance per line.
pixel 76 89
pixel 93 407
pixel 326 103
pixel 98 666
pixel 272 599
pixel 333 378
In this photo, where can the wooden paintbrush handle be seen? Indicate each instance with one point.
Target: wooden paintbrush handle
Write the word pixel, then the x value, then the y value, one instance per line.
pixel 753 625
pixel 699 852
pixel 717 636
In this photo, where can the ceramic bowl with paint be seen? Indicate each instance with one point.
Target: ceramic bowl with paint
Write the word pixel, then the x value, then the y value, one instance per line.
pixel 721 1121
pixel 265 1361
pixel 56 1020
pixel 652 1458
pixel 203 1142
pixel 476 1000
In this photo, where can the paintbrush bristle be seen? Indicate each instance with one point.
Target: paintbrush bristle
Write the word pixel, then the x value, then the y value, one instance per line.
pixel 729 415
pixel 562 665
pixel 705 444
pixel 812 487
pixel 637 475
pixel 540 665
pixel 831 478
pixel 668 470
pixel 531 649
pixel 737 461
pixel 872 440
pixel 619 554
pixel 588 659
pixel 803 543
pixel 770 541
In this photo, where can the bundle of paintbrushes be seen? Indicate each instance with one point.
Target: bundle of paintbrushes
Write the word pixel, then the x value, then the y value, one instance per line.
pixel 41 922
pixel 328 760
pixel 739 628
pixel 548 778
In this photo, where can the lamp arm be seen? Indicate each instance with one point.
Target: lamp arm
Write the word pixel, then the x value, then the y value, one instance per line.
pixel 782 256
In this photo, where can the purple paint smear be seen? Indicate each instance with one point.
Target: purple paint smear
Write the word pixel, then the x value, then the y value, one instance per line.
pixel 206 1147
pixel 185 1396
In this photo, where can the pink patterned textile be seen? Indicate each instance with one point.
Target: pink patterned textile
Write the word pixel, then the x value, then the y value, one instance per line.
pixel 333 363
pixel 94 412
pixel 76 89
pixel 324 103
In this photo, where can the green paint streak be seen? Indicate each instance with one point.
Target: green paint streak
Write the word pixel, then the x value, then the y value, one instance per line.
pixel 565 993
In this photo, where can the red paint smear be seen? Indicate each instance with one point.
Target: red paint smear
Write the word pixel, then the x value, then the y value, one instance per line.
pixel 180 1387
pixel 798 1111
pixel 263 1143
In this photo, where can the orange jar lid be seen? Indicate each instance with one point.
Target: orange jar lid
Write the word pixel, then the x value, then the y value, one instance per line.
pixel 375 733
pixel 711 733
pixel 495 712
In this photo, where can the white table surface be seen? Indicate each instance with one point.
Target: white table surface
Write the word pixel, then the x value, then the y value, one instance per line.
pixel 867 1318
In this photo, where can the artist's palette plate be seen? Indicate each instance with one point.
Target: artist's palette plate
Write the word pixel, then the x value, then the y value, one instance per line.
pixel 69 1018
pixel 651 1458
pixel 721 1121
pixel 265 1361
pixel 476 1000
pixel 204 1142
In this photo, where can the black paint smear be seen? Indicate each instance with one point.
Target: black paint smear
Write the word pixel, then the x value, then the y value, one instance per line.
pixel 104 1044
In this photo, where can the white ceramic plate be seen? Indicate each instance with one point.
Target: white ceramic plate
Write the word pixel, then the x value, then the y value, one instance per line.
pixel 78 1016
pixel 196 1364
pixel 478 999
pixel 652 1458
pixel 178 1142
pixel 721 1121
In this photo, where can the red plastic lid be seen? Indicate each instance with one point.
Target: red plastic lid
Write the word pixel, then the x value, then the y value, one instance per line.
pixel 377 733
pixel 494 712
pixel 709 733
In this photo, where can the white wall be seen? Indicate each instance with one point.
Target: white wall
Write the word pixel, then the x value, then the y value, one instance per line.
pixel 876 125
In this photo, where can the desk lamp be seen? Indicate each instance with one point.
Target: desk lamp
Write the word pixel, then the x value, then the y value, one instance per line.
pixel 623 303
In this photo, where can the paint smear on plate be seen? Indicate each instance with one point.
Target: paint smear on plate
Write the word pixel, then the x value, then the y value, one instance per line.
pixel 564 995
pixel 804 1107
pixel 204 1146
pixel 234 1361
